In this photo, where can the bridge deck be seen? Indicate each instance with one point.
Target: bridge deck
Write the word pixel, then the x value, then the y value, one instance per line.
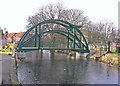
pixel 26 49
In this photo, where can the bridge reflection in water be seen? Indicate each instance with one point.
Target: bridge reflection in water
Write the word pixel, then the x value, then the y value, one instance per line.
pixel 58 68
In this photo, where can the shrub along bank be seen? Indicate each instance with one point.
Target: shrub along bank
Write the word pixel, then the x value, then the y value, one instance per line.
pixel 111 58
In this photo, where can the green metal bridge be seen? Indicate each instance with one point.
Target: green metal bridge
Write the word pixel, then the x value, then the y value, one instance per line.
pixel 64 36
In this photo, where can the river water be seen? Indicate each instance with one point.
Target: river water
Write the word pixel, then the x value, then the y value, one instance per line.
pixel 57 68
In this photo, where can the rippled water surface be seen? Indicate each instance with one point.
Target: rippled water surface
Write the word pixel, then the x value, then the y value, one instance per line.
pixel 47 68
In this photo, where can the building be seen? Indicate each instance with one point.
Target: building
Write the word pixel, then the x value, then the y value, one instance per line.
pixel 15 36
pixel 3 35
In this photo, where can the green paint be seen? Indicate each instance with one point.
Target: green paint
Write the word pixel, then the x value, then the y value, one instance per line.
pixel 78 45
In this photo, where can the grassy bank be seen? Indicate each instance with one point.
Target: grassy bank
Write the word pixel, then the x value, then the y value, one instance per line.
pixel 111 58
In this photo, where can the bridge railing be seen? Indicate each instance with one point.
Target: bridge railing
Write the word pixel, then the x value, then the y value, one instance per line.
pixel 32 39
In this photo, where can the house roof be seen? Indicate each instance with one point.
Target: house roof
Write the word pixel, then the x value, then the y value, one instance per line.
pixel 19 34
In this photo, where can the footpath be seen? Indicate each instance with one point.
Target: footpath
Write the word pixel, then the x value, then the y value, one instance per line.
pixel 9 71
pixel 0 68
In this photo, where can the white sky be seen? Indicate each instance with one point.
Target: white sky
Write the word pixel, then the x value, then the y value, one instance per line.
pixel 13 13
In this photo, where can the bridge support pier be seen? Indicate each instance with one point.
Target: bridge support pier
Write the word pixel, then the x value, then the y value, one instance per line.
pixel 52 53
pixel 80 55
pixel 72 54
pixel 77 55
pixel 41 51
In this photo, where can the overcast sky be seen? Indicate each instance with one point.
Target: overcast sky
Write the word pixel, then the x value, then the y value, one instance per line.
pixel 13 13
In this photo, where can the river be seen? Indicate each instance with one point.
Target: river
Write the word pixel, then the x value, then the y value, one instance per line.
pixel 57 68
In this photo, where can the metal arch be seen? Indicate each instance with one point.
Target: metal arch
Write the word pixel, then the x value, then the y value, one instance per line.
pixel 59 31
pixel 55 31
pixel 44 22
pixel 52 49
pixel 70 27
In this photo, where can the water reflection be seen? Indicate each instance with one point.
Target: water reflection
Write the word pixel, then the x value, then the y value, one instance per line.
pixel 55 68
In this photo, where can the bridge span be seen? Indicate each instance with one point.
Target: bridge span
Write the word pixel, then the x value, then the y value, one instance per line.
pixel 62 36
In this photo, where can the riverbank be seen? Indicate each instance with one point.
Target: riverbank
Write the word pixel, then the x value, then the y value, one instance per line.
pixel 9 70
pixel 111 58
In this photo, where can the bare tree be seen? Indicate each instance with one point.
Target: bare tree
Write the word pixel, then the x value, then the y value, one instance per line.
pixel 75 16
pixel 105 28
pixel 57 11
pixel 96 31
pixel 92 32
pixel 106 32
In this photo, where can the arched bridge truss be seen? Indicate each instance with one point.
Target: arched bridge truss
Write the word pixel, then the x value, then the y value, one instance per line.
pixel 32 38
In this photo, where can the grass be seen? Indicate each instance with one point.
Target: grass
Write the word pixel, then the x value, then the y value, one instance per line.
pixel 115 53
pixel 113 49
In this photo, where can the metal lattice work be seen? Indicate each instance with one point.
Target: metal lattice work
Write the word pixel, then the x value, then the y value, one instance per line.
pixel 64 36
